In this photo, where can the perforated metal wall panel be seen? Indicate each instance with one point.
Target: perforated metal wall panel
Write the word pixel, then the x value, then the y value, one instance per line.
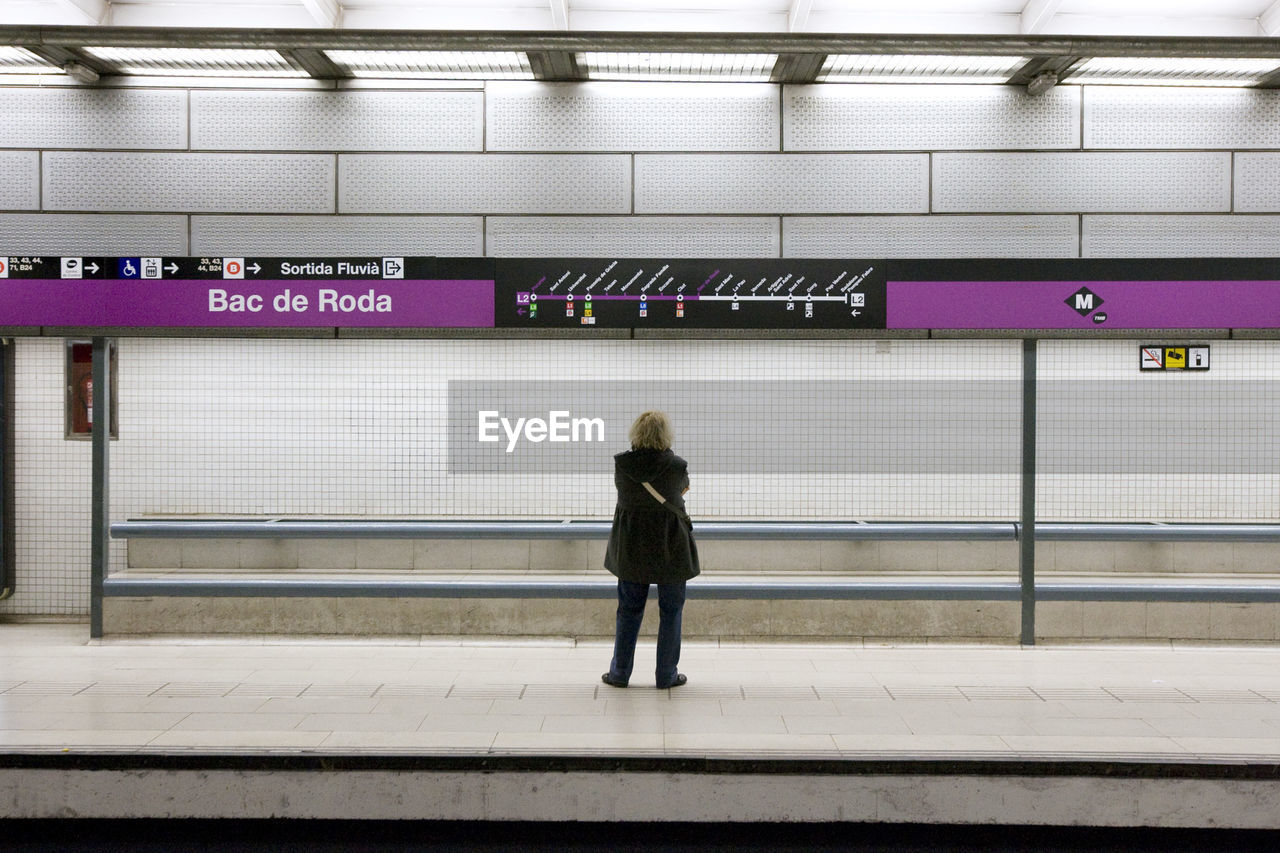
pixel 92 234
pixel 19 180
pixel 196 183
pixel 53 506
pixel 1257 182
pixel 337 121
pixel 459 236
pixel 1181 236
pixel 1180 117
pixel 920 118
pixel 631 117
pixel 93 118
pixel 930 236
pixel 1192 182
pixel 633 236
pixel 484 183
pixel 376 428
pixel 1115 445
pixel 782 183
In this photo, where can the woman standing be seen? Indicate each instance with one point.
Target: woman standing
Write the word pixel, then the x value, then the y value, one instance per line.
pixel 651 542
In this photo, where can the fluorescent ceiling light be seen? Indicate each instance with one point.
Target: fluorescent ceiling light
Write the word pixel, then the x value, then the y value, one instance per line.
pixel 735 67
pixel 434 65
pixel 16 60
pixel 190 62
pixel 895 68
pixel 1171 71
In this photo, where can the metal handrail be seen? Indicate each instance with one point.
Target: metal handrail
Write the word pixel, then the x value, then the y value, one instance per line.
pixel 760 589
pixel 834 589
pixel 720 530
pixel 424 529
pixel 600 588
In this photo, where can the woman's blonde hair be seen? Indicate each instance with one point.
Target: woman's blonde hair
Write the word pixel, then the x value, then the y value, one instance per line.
pixel 651 431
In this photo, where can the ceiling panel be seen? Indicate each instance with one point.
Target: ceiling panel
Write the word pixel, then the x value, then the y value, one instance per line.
pixel 15 60
pixel 650 39
pixel 914 69
pixel 1081 17
pixel 1167 8
pixel 444 65
pixel 918 7
pixel 679 66
pixel 195 63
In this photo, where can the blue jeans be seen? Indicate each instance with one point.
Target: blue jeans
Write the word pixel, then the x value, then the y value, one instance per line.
pixel 631 600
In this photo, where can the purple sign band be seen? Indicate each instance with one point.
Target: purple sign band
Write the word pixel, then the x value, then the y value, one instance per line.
pixel 1083 304
pixel 240 303
pixel 524 298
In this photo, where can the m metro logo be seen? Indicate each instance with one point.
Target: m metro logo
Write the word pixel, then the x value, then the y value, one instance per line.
pixel 1084 301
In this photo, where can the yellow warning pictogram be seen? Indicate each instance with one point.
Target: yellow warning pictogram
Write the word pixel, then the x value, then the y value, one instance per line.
pixel 1175 358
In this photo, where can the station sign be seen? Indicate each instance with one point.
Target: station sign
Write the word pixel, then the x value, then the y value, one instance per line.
pixel 1163 357
pixel 245 292
pixel 1022 295
pixel 690 293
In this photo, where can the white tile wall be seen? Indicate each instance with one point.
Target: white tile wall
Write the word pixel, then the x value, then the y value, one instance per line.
pixel 671 170
pixel 922 118
pixel 19 180
pixel 52 512
pixel 633 236
pixel 197 183
pixel 458 236
pixel 1191 182
pixel 93 118
pixel 93 234
pixel 930 236
pixel 782 183
pixel 1137 117
pixel 631 117
pixel 1257 182
pixel 484 183
pixel 337 121
pixel 1188 236
pixel 288 427
pixel 1187 426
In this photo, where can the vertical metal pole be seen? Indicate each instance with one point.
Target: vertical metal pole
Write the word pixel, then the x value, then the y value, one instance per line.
pixel 7 549
pixel 99 548
pixel 1027 528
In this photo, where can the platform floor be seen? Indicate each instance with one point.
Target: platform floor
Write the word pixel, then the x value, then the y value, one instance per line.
pixel 61 691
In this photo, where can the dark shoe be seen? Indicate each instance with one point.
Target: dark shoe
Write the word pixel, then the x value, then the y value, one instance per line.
pixel 612 681
pixel 681 678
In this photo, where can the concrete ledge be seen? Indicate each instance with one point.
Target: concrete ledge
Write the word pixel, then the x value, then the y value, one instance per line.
pixel 580 605
pixel 637 788
pixel 554 617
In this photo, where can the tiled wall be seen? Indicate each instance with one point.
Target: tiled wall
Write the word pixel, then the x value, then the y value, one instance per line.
pixel 735 169
pixel 380 428
pixel 516 169
pixel 52 490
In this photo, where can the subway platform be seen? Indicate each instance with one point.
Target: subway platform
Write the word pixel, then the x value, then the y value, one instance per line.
pixel 1156 735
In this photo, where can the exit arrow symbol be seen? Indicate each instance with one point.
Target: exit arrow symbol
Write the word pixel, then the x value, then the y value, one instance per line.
pixel 172 268
pixel 255 268
pixel 91 267
pixel 520 311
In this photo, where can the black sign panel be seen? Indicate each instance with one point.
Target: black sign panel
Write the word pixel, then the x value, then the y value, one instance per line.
pixel 690 294
pixel 265 268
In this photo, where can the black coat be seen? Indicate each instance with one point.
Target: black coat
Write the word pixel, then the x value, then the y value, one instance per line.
pixel 649 543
